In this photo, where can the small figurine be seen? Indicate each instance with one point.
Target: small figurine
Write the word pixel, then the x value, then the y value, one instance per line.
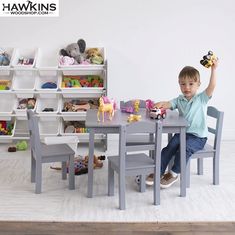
pixel 208 59
pixel 136 106
pixel 156 113
pixel 105 107
pixel 134 118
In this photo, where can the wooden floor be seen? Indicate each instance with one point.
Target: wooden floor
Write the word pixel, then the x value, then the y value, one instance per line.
pixel 59 228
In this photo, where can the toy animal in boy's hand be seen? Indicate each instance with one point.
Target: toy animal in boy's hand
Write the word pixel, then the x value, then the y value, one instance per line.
pixel 75 50
pixel 208 59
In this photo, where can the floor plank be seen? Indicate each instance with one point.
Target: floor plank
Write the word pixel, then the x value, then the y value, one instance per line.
pixel 72 228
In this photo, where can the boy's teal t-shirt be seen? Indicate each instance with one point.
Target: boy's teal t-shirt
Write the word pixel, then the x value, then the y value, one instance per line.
pixel 194 111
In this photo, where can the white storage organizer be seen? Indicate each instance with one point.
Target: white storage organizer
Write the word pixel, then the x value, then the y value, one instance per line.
pixel 26 82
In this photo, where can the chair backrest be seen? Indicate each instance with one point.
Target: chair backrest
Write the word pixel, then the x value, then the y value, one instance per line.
pixel 144 127
pixel 217 131
pixel 35 142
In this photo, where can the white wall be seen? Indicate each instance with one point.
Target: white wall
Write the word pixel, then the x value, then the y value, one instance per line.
pixel 147 43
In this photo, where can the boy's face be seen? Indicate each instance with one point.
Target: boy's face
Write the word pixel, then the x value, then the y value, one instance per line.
pixel 188 87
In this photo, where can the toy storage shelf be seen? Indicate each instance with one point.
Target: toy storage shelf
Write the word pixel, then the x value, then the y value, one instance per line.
pixel 25 81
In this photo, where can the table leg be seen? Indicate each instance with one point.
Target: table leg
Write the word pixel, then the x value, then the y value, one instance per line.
pixel 183 162
pixel 90 163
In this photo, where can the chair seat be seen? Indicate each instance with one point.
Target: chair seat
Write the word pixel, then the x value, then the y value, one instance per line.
pixel 56 150
pixel 207 149
pixel 134 161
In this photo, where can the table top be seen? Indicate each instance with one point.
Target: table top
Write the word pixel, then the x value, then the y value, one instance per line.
pixel 120 119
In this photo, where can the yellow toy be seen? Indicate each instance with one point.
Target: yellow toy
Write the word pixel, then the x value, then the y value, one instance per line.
pixel 134 118
pixel 208 59
pixel 103 108
pixel 136 106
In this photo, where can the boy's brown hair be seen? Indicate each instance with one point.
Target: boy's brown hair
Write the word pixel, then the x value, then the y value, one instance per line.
pixel 189 72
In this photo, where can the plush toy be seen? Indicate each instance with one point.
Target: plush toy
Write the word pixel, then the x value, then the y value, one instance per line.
pixel 75 50
pixel 94 56
pixel 4 58
pixel 21 145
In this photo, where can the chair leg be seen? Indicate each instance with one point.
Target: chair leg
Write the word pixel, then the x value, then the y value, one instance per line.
pixel 142 185
pixel 33 168
pixel 216 170
pixel 188 174
pixel 71 173
pixel 156 189
pixel 64 170
pixel 110 180
pixel 38 178
pixel 122 188
pixel 200 166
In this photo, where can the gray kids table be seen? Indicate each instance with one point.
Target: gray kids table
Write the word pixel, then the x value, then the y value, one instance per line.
pixel 172 124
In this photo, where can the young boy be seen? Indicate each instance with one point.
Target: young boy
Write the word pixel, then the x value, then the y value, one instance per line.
pixel 194 108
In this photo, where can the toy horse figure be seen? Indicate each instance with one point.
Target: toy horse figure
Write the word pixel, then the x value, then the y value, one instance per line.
pixel 105 107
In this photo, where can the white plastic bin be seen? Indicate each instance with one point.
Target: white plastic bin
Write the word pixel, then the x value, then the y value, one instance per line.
pixel 82 90
pixel 21 128
pixel 47 61
pixel 67 129
pixel 6 83
pixel 46 92
pixel 7 103
pixel 7 125
pixel 24 83
pixel 26 53
pixel 21 113
pixel 86 66
pixel 44 103
pixel 72 115
pixel 49 127
pixel 4 69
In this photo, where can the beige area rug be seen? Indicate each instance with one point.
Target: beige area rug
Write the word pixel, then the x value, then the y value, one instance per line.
pixel 204 201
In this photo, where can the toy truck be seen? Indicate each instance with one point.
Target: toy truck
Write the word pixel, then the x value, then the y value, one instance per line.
pixel 208 59
pixel 156 113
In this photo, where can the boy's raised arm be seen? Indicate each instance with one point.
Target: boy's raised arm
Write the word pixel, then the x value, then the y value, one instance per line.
pixel 212 83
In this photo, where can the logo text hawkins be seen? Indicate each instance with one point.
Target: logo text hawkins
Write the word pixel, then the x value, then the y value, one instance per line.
pixel 29 8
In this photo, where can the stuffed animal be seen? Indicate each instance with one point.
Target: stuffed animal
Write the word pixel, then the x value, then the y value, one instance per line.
pixel 94 56
pixel 21 145
pixel 76 51
pixel 4 58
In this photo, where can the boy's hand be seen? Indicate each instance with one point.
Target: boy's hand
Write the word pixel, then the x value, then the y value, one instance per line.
pixel 163 104
pixel 215 63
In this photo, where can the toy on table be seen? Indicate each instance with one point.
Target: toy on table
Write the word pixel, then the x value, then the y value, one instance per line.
pixel 208 59
pixel 134 118
pixel 105 108
pixel 149 104
pixel 131 106
pixel 157 113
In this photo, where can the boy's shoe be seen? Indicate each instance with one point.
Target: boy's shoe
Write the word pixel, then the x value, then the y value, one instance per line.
pixel 167 180
pixel 149 180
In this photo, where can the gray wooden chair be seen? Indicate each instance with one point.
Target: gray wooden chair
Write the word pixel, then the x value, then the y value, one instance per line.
pixel 41 153
pixel 136 163
pixel 212 151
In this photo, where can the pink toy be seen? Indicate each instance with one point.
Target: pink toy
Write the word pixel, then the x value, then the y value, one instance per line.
pixel 149 104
